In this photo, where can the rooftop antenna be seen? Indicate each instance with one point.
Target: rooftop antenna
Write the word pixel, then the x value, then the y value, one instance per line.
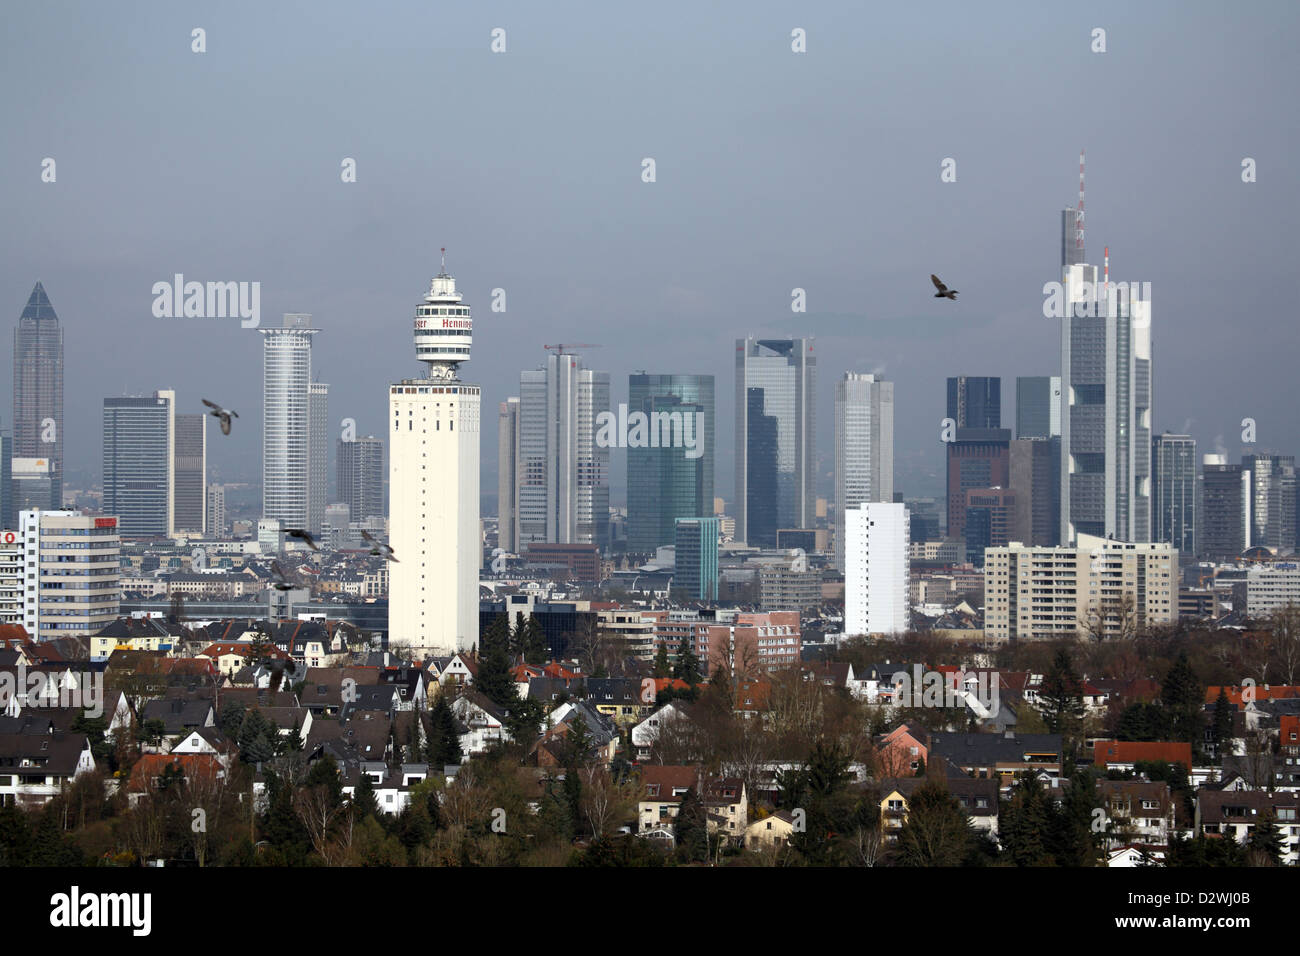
pixel 1078 219
pixel 444 260
pixel 1105 274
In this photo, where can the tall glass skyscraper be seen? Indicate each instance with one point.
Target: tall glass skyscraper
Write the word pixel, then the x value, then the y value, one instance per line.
pixel 670 481
pixel 1038 406
pixel 1272 501
pixel 975 401
pixel 696 546
pixel 776 451
pixel 1174 491
pixel 286 416
pixel 360 470
pixel 139 450
pixel 38 391
pixel 318 454
pixel 190 486
pixel 864 447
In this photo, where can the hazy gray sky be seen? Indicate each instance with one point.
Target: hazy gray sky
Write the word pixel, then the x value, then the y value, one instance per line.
pixel 775 170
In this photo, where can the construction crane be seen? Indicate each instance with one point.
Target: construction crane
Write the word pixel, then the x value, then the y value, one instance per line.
pixel 572 345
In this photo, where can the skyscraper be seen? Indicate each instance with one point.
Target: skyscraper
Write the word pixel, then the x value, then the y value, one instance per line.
pixel 975 401
pixel 139 461
pixel 776 450
pixel 216 520
pixel 1036 480
pixel 876 569
pixel 318 454
pixel 434 484
pixel 38 390
pixel 1038 406
pixel 562 472
pixel 696 547
pixel 8 516
pixel 190 484
pixel 1272 501
pixel 1224 510
pixel 665 479
pixel 864 446
pixel 361 476
pixel 286 420
pixel 977 458
pixel 1105 409
pixel 508 475
pixel 1174 491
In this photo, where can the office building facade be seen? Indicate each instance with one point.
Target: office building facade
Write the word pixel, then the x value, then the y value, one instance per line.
pixel 1174 489
pixel 72 580
pixel 38 394
pixel 876 569
pixel 139 452
pixel 286 420
pixel 190 471
pixel 1038 406
pixel 864 446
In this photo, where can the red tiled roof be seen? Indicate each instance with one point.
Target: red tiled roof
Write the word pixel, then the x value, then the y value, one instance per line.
pixel 1130 751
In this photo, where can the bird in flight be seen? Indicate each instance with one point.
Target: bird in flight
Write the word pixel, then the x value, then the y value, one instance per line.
pixel 378 547
pixel 944 292
pixel 223 415
pixel 278 579
pixel 304 535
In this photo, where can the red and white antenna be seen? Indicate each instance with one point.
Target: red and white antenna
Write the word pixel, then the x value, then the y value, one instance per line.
pixel 1105 275
pixel 1078 218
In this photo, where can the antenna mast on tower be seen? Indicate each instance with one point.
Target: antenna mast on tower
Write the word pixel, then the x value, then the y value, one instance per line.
pixel 1078 218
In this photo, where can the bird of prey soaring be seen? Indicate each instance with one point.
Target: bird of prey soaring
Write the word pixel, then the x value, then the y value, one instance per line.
pixel 279 581
pixel 378 548
pixel 944 292
pixel 304 535
pixel 223 415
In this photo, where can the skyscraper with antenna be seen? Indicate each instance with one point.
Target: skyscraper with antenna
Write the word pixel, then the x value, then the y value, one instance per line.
pixel 433 428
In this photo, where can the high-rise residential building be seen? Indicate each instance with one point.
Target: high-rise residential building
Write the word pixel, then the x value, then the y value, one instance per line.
pixel 360 463
pixel 190 482
pixel 1224 509
pixel 977 458
pixel 1174 491
pixel 975 401
pixel 8 515
pixel 433 469
pixel 1036 480
pixel 696 548
pixel 1272 502
pixel 216 518
pixel 1097 587
pixel 38 391
pixel 864 446
pixel 11 576
pixel 670 472
pixel 139 442
pixel 286 420
pixel 1038 406
pixel 876 568
pixel 73 561
pixel 1105 408
pixel 776 432
pixel 508 475
pixel 562 472
pixel 318 454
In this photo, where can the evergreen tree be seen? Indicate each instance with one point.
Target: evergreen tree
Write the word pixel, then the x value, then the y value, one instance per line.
pixel 15 837
pixel 1183 696
pixel 232 717
pixel 1143 722
pixel 364 802
pixel 937 831
pixel 1223 713
pixel 494 680
pixel 1023 824
pixel 1265 847
pixel 533 644
pixel 691 829
pixel 444 738
pixel 1062 697
pixel 662 667
pixel 522 720
pixel 688 665
pixel 256 738
pixel 325 773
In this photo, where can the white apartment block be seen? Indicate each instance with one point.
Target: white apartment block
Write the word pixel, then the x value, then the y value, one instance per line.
pixel 876 568
pixel 1271 588
pixel 11 577
pixel 1050 592
pixel 71 573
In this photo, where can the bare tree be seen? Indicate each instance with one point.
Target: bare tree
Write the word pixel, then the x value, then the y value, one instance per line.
pixel 1284 623
pixel 318 811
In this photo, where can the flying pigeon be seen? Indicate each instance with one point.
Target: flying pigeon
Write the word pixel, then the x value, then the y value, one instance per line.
pixel 278 580
pixel 304 535
pixel 378 547
pixel 944 292
pixel 223 415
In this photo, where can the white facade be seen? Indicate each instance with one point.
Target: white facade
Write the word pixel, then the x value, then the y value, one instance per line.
pixel 434 426
pixel 876 568
pixel 318 454
pixel 1271 588
pixel 286 416
pixel 71 573
pixel 11 577
pixel 864 447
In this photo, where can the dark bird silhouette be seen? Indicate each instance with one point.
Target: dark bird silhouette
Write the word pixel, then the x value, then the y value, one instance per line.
pixel 223 415
pixel 378 548
pixel 944 292
pixel 278 579
pixel 304 535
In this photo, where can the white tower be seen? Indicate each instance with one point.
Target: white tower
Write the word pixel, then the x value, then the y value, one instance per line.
pixel 876 568
pixel 434 484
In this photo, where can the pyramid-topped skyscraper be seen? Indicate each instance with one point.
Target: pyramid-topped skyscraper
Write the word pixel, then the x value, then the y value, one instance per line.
pixel 38 403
